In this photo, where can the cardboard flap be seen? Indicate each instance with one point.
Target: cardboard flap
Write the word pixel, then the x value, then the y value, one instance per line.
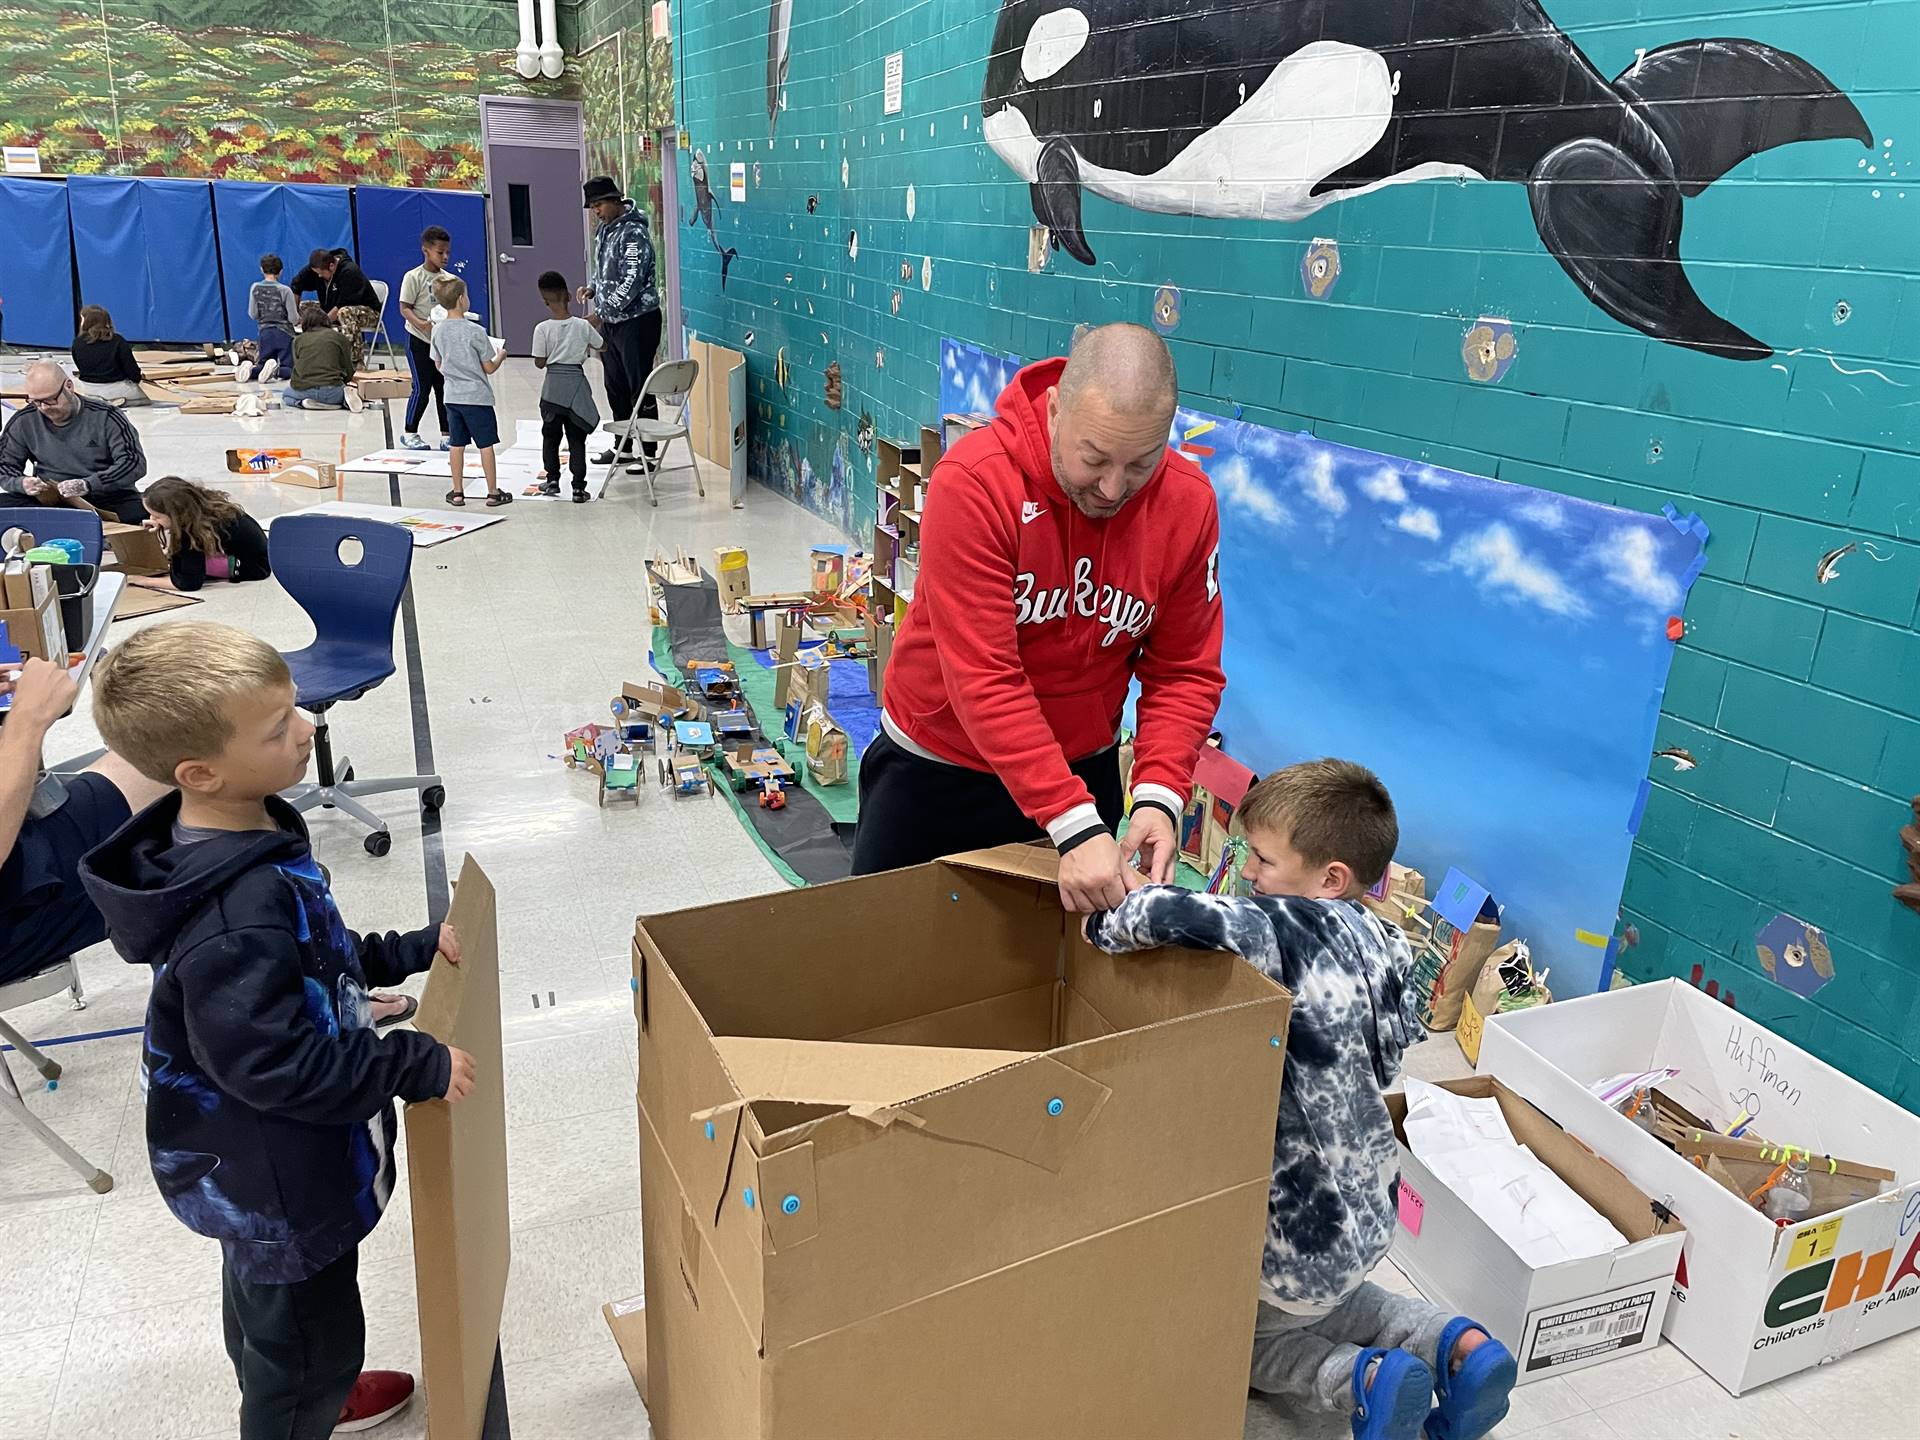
pixel 1033 862
pixel 832 1072
pixel 789 1198
pixel 1036 1111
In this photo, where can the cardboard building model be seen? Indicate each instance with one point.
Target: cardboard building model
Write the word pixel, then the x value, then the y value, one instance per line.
pixel 1220 783
pixel 1001 1185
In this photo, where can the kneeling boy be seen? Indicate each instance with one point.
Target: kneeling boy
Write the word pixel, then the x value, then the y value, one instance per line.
pixel 270 1120
pixel 1326 1338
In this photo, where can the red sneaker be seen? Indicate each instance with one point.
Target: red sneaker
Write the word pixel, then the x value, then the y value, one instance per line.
pixel 377 1396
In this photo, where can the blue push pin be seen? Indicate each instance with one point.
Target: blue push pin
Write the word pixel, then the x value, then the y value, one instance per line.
pixel 1274 1041
pixel 790 1205
pixel 747 1195
pixel 709 1129
pixel 633 983
pixel 1056 1105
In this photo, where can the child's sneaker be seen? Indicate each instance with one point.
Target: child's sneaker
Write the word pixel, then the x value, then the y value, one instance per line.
pixel 354 402
pixel 243 371
pixel 548 486
pixel 270 369
pixel 413 442
pixel 579 492
pixel 377 1396
pixel 317 405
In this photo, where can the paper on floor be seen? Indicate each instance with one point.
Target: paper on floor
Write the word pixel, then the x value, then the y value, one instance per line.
pixel 1467 1145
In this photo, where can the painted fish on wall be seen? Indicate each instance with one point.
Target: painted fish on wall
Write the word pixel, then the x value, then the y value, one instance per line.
pixel 1274 110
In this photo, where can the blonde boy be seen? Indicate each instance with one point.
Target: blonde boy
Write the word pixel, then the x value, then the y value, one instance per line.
pixel 270 1118
pixel 467 356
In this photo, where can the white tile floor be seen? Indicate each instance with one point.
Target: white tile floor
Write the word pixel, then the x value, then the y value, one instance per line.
pixel 109 1309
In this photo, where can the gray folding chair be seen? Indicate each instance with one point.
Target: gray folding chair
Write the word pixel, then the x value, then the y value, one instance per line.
pixel 379 331
pixel 671 385
pixel 24 991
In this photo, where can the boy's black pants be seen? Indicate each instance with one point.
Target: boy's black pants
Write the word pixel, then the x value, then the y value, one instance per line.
pixel 296 1349
pixel 555 422
pixel 913 809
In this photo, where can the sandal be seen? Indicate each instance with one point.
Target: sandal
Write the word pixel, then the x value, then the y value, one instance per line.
pixel 1475 1399
pixel 456 497
pixel 499 498
pixel 1392 1405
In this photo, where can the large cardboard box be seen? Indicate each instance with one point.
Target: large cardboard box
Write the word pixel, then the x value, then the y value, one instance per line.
pixel 1752 1301
pixel 1554 1318
pixel 990 1182
pixel 457 1175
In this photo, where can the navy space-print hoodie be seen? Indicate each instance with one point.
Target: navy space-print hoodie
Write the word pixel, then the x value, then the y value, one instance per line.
pixel 270 1119
pixel 1330 1215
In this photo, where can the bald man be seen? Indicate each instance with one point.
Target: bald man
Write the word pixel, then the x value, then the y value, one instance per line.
pixel 1065 553
pixel 83 452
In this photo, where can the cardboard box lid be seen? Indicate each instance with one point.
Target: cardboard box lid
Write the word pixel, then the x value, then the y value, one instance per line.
pixel 457 1167
pixel 1031 862
pixel 854 1074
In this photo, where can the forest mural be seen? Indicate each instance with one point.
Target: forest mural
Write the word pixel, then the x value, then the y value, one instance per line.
pixel 1274 111
pixel 381 93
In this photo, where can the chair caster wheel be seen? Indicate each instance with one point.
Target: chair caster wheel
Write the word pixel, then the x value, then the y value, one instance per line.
pixel 378 843
pixel 433 797
pixel 344 776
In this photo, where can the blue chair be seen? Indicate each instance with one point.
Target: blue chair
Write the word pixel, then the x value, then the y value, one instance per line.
pixel 352 605
pixel 59 522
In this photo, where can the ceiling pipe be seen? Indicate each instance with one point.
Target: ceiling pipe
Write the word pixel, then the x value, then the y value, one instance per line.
pixel 526 56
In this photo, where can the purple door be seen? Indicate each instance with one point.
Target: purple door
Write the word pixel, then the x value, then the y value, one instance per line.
pixel 533 183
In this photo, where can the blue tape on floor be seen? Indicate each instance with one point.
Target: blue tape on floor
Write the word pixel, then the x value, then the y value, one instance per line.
pixel 76 1039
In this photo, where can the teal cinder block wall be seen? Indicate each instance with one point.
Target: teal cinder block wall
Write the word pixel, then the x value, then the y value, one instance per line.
pixel 1800 701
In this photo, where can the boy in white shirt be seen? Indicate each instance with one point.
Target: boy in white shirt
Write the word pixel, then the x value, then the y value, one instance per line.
pixel 560 348
pixel 416 308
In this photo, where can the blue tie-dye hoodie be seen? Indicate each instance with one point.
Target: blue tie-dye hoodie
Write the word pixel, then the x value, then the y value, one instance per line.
pixel 1330 1215
pixel 270 1118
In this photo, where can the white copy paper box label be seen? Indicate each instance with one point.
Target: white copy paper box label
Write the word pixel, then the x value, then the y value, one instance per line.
pixel 1568 1334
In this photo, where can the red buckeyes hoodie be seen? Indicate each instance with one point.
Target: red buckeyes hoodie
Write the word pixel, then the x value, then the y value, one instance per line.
pixel 1028 620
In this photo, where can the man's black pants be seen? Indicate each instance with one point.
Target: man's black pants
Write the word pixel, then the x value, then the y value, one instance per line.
pixel 296 1349
pixel 913 810
pixel 628 352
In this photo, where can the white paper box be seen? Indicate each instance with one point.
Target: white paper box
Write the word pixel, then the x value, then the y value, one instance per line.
pixel 1752 1301
pixel 1554 1318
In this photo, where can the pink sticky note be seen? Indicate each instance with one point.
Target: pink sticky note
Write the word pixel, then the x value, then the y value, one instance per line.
pixel 1413 1210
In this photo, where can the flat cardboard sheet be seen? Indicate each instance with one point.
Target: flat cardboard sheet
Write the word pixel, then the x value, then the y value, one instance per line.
pixel 429 527
pixel 457 1167
pixel 141 600
pixel 519 462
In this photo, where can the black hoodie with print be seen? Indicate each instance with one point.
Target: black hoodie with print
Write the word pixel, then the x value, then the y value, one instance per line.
pixel 270 1118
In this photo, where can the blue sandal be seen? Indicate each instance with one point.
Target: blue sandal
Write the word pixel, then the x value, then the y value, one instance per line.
pixel 1473 1401
pixel 1392 1404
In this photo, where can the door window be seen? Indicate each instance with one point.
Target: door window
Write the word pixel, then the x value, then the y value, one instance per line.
pixel 520 214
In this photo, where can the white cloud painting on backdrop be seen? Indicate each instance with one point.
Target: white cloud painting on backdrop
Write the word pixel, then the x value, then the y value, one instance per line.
pixel 1497 653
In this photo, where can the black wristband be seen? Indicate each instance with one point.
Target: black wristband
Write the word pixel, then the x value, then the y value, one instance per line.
pixel 1160 805
pixel 1081 838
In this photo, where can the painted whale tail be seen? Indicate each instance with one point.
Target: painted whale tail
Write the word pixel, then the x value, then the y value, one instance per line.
pixel 726 264
pixel 1613 222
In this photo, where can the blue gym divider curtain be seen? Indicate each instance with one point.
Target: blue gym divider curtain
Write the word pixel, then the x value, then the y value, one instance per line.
pixel 145 251
pixel 36 267
pixel 390 222
pixel 286 220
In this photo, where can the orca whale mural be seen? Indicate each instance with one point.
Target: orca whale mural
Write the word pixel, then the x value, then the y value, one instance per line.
pixel 779 27
pixel 1274 110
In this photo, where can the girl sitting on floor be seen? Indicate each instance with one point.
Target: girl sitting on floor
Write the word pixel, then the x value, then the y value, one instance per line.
pixel 103 362
pixel 205 534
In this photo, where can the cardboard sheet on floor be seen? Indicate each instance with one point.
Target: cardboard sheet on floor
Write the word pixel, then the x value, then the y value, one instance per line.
pixel 429 527
pixel 518 463
pixel 139 600
pixel 457 1177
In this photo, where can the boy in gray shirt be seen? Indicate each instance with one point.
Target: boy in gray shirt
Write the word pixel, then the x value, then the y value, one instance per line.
pixel 272 307
pixel 560 348
pixel 467 355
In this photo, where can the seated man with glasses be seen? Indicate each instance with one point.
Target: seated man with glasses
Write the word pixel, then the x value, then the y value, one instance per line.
pixel 83 453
